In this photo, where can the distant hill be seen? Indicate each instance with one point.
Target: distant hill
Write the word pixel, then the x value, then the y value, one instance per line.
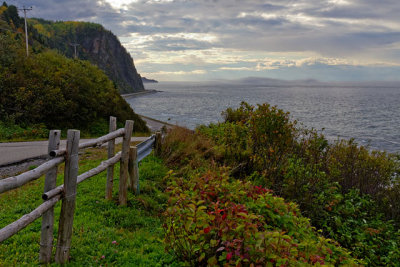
pixel 277 82
pixel 96 44
pixel 145 80
pixel 261 81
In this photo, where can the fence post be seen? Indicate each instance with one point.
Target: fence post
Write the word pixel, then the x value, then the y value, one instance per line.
pixel 124 169
pixel 157 149
pixel 133 170
pixel 46 238
pixel 68 202
pixel 111 152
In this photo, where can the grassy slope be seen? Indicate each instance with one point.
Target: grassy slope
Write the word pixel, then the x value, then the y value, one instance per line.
pixel 97 223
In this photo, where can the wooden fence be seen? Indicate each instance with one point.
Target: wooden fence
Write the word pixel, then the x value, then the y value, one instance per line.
pixel 129 178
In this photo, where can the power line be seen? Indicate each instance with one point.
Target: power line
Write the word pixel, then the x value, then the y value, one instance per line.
pixel 26 28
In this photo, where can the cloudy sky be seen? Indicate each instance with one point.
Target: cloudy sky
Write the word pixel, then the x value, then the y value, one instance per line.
pixel 328 40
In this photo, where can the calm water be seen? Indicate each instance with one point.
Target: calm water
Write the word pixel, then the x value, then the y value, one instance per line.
pixel 370 115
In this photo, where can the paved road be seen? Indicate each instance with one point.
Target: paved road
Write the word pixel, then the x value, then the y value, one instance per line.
pixel 20 151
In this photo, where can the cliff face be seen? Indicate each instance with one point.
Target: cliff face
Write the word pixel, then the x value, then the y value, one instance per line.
pixel 99 46
pixel 105 51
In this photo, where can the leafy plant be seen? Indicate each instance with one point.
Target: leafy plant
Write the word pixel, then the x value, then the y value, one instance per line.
pixel 210 221
pixel 262 145
pixel 355 222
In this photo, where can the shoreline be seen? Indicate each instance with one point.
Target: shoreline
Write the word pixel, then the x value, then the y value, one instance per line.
pixel 155 120
pixel 141 93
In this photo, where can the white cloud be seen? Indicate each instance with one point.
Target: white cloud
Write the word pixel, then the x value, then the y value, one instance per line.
pixel 248 36
pixel 120 3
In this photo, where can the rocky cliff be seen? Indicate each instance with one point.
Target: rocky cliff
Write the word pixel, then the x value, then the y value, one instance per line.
pixel 96 44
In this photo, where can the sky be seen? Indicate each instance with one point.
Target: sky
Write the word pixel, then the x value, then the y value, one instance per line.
pixel 199 40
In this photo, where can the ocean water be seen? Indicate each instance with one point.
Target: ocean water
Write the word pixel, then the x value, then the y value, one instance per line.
pixel 370 115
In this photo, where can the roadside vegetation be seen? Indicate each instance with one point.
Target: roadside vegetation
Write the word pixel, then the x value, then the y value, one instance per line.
pixel 253 190
pixel 225 203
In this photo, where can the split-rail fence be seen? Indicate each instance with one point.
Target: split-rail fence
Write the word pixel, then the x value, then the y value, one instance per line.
pixel 129 156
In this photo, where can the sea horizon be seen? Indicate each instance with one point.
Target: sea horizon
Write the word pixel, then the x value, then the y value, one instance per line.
pixel 340 111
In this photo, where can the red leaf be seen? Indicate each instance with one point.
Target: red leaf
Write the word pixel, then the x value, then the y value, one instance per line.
pixel 207 230
pixel 229 256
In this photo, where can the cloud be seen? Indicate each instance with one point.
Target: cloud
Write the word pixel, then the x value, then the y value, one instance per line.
pixel 238 35
pixel 178 72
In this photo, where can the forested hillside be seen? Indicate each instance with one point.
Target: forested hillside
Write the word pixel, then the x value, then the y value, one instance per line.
pixel 101 47
pixel 48 90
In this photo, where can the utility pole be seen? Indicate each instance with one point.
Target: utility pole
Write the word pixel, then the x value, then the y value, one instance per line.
pixel 26 29
pixel 74 45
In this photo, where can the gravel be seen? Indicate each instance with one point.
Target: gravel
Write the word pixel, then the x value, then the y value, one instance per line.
pixel 16 168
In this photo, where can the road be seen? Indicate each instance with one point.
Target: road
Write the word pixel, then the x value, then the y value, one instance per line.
pixel 20 151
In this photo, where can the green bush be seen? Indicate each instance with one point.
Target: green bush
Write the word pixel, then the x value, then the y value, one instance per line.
pixel 210 221
pixel 11 131
pixel 372 173
pixel 355 222
pixel 255 139
pixel 264 146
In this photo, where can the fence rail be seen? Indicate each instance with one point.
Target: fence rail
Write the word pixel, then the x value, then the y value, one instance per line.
pixel 129 157
pixel 94 143
pixel 11 183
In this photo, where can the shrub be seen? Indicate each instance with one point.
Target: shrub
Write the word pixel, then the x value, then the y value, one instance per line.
pixel 255 139
pixel 262 145
pixel 12 131
pixel 265 145
pixel 58 92
pixel 185 151
pixel 211 221
pixel 354 167
pixel 355 222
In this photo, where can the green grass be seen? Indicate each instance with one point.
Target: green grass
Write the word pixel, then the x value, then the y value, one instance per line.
pixel 10 132
pixel 103 232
